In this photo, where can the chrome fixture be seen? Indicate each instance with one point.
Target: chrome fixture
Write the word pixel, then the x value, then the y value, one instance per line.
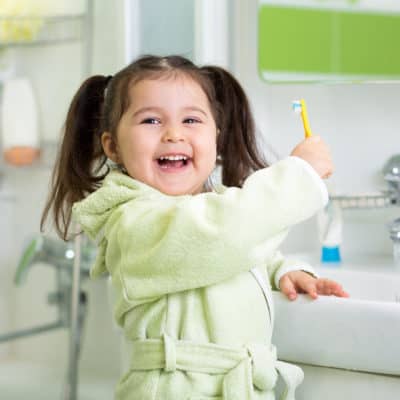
pixel 382 199
pixel 69 259
pixel 59 255
pixel 391 174
pixel 394 231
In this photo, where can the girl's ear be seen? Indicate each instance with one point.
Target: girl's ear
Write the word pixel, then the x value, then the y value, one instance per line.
pixel 109 147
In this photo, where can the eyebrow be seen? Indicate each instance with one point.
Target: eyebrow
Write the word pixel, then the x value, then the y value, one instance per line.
pixel 159 109
pixel 200 110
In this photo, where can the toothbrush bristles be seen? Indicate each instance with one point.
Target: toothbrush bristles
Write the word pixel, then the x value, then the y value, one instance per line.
pixel 296 105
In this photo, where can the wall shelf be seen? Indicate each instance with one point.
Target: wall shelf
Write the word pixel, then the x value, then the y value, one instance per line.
pixel 41 30
pixel 20 32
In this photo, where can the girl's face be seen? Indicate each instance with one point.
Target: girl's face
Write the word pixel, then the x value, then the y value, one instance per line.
pixel 167 136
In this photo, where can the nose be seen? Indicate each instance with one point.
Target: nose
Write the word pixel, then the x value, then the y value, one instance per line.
pixel 173 134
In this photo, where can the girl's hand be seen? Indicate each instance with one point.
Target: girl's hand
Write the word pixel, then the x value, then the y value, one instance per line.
pixel 295 282
pixel 317 154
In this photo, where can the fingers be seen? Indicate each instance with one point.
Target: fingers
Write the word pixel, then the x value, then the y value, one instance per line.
pixel 287 287
pixel 328 287
pixel 295 282
pixel 309 287
pixel 304 283
pixel 317 154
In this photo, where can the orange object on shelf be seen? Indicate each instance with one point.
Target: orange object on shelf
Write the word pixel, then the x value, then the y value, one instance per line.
pixel 21 155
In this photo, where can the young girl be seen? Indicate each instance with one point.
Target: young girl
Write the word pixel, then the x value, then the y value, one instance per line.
pixel 191 263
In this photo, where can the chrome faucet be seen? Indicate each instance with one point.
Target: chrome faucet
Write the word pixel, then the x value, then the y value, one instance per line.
pixel 382 199
pixel 394 230
pixel 391 173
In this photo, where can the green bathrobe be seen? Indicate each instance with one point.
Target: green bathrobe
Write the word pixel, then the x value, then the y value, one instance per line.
pixel 192 278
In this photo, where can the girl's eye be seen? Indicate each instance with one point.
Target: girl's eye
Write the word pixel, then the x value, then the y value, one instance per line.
pixel 191 120
pixel 152 121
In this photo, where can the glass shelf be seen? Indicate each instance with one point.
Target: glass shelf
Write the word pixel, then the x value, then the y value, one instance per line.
pixel 41 30
pixel 46 160
pixel 22 31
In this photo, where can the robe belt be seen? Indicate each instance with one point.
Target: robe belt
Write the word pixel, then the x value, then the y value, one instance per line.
pixel 255 364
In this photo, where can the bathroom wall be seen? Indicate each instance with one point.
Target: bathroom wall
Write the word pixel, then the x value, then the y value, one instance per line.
pixel 359 122
pixel 55 73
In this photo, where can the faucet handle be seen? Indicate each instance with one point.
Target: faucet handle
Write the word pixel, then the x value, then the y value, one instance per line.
pixel 394 229
pixel 391 169
pixel 391 174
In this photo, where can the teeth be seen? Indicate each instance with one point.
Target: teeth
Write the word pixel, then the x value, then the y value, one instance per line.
pixel 173 158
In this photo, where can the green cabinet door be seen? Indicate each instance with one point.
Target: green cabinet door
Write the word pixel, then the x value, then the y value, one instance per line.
pixel 311 44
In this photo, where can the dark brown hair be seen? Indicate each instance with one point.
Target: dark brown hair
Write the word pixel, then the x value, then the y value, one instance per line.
pixel 101 101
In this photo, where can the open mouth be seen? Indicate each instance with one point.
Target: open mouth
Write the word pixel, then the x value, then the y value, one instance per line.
pixel 173 162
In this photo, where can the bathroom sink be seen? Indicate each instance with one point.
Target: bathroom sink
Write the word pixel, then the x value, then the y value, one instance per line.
pixel 380 283
pixel 359 333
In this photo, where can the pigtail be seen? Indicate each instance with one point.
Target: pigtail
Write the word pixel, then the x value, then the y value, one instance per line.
pixel 80 164
pixel 80 157
pixel 237 147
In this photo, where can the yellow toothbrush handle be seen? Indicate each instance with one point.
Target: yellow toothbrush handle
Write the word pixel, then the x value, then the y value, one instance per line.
pixel 304 116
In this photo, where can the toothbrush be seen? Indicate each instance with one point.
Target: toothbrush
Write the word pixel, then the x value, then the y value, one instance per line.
pixel 299 107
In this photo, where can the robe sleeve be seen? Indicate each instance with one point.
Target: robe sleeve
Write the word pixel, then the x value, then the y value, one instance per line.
pixel 280 265
pixel 164 244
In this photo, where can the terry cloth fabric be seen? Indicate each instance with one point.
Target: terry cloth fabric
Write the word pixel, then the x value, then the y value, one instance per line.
pixel 242 369
pixel 180 269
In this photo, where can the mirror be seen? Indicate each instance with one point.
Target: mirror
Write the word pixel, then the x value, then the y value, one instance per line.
pixel 329 40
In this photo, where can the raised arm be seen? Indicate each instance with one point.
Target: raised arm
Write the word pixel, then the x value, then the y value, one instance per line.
pixel 164 244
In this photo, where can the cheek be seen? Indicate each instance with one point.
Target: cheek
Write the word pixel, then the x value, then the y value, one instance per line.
pixel 213 147
pixel 138 147
pixel 208 150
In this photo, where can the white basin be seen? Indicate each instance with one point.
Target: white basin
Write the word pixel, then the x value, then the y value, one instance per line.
pixel 359 333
